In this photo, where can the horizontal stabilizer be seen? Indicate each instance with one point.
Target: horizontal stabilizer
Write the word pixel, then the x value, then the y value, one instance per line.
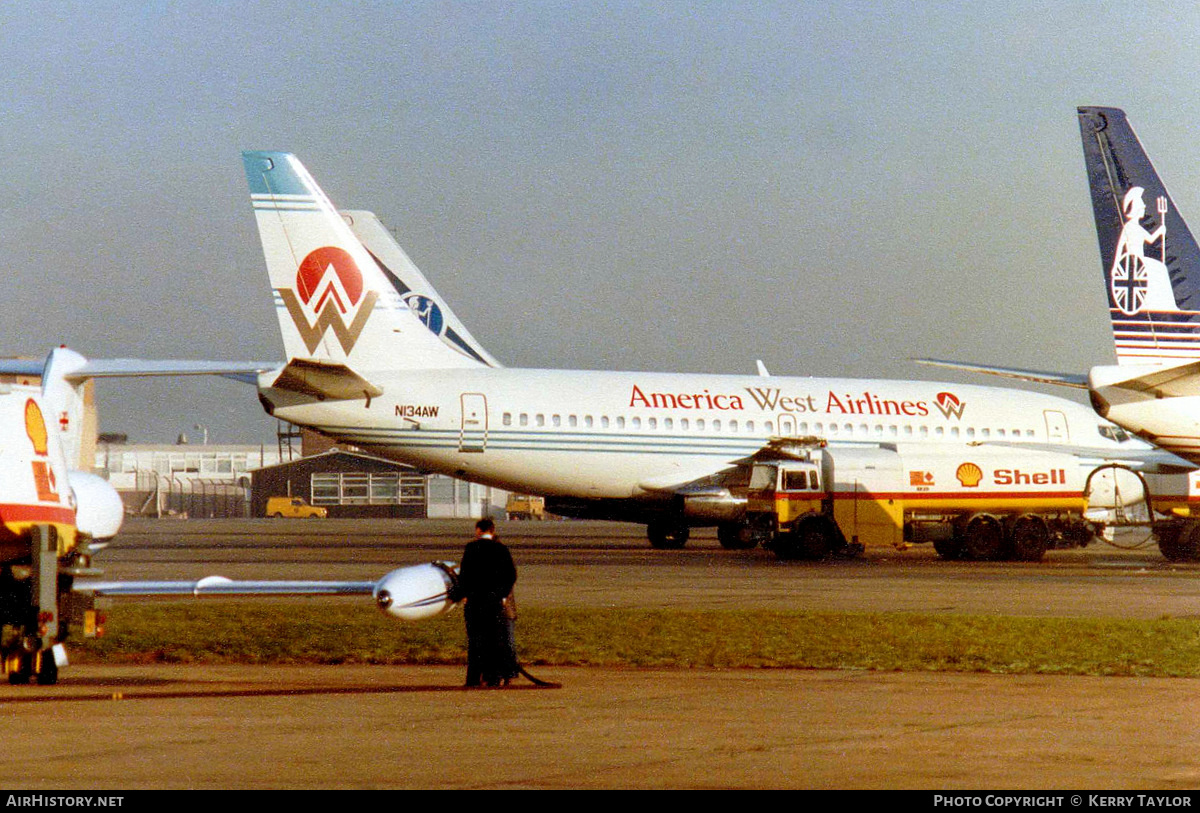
pixel 1036 376
pixel 144 368
pixel 21 366
pixel 324 379
pixel 1162 382
pixel 246 371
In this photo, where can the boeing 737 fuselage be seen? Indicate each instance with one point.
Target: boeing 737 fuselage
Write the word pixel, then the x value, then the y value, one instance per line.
pixel 585 435
pixel 377 359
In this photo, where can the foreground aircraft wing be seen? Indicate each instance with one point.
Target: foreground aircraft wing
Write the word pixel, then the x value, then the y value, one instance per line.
pixel 221 586
pixel 1037 376
pixel 409 593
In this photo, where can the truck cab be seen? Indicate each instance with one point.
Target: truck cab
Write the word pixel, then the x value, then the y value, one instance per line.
pixel 783 491
pixel 804 509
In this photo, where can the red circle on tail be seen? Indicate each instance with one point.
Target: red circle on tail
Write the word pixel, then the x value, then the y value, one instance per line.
pixel 317 264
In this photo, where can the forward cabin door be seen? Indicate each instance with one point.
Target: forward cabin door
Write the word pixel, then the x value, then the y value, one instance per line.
pixel 472 436
pixel 1056 427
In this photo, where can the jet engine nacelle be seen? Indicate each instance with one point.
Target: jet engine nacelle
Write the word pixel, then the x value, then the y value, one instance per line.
pixel 713 503
pixel 417 592
pixel 99 511
pixel 1115 488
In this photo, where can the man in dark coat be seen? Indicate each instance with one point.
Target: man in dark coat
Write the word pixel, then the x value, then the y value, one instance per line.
pixel 485 580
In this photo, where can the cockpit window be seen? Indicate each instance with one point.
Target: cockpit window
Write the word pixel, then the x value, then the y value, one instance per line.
pixel 1114 433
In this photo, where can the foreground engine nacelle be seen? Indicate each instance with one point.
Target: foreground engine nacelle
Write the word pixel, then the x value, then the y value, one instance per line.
pixel 1115 487
pixel 712 503
pixel 417 592
pixel 99 511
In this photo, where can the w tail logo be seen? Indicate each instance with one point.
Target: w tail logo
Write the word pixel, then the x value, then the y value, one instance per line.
pixel 330 287
pixel 949 405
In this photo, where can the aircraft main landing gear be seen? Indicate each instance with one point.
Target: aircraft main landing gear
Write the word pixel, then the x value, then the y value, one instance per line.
pixel 30 623
pixel 667 534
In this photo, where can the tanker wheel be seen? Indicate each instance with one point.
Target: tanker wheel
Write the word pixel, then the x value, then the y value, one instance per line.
pixel 950 549
pixel 47 671
pixel 983 539
pixel 1029 538
pixel 20 675
pixel 1182 544
pixel 737 536
pixel 1078 533
pixel 667 535
pixel 811 538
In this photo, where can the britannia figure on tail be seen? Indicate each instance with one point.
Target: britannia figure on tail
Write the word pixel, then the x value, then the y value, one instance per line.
pixel 1141 283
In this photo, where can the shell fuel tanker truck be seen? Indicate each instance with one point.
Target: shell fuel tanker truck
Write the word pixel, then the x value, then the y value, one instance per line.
pixel 807 501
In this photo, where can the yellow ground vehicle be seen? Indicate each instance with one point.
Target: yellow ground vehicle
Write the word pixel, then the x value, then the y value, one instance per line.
pixel 525 506
pixel 294 507
pixel 807 501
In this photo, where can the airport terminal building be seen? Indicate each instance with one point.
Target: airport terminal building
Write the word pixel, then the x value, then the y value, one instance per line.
pixel 192 480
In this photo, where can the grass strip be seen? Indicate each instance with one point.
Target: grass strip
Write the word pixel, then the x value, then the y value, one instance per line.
pixel 312 633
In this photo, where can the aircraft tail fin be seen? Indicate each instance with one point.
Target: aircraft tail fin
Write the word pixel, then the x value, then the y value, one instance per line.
pixel 1151 261
pixel 333 302
pixel 73 406
pixel 416 291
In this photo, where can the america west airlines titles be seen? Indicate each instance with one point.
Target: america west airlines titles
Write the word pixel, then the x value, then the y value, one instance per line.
pixel 772 399
pixel 767 399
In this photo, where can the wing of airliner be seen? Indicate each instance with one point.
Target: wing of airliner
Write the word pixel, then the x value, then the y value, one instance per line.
pixel 1036 376
pixel 1147 459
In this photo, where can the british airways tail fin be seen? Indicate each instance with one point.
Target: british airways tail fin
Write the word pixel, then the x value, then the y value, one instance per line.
pixel 416 291
pixel 1150 260
pixel 335 305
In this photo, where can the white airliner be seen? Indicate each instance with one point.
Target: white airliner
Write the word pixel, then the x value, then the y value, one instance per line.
pixel 377 359
pixel 1151 266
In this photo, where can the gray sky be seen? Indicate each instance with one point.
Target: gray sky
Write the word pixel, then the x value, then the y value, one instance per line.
pixel 833 188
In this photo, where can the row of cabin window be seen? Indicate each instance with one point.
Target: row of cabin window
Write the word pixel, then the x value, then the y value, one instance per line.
pixel 733 426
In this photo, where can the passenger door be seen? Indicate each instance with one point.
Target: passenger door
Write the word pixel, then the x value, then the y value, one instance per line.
pixel 472 436
pixel 1056 427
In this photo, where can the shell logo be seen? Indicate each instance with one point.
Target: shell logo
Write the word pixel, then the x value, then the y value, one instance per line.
pixel 43 476
pixel 35 427
pixel 969 475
